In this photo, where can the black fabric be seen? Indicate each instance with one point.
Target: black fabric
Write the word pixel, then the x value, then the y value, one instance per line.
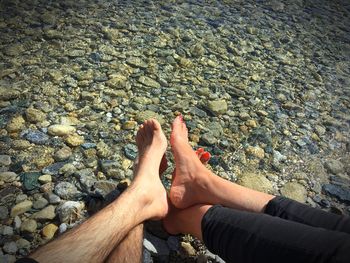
pixel 238 236
pixel 294 211
pixel 26 260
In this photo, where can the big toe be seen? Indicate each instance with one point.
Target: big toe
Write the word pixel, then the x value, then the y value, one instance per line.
pixel 179 129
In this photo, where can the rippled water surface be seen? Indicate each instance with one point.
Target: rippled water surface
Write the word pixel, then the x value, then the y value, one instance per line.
pixel 263 85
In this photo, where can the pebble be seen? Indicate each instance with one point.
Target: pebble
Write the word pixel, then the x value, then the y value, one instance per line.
pixel 62 228
pixel 36 137
pixel 10 247
pixel 54 199
pixel 5 160
pixel 66 190
pixel 23 243
pixel 34 115
pixel 70 211
pixel 60 130
pixel 8 177
pixel 40 203
pixel 53 169
pixel 149 82
pixel 29 225
pixel 334 166
pixel 74 140
pixel 21 208
pixel 255 151
pixel 295 191
pixel 17 222
pixel 7 231
pixel 217 107
pixel 47 213
pixel 49 231
pixel 257 182
pixel 340 192
pixel 4 212
pixel 63 154
pixel 45 178
pixel 30 180
pixel 131 151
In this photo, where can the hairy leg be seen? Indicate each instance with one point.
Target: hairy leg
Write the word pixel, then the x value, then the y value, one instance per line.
pixel 145 199
pixel 130 249
pixel 194 184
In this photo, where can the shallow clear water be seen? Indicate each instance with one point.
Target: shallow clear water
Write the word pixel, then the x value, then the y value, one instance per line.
pixel 263 85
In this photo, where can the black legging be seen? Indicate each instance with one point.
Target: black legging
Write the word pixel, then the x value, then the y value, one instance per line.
pixel 288 232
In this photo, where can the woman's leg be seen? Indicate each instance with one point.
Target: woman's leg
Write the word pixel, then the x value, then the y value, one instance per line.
pixel 239 236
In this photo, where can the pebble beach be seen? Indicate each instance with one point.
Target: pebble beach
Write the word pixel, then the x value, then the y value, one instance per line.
pixel 264 86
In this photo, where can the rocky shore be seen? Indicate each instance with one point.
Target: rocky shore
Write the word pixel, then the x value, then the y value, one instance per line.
pixel 263 85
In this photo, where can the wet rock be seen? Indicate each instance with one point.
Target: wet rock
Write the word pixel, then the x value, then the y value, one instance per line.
pixel 5 160
pixel 60 130
pixel 295 191
pixel 130 151
pixel 34 115
pixel 148 114
pixel 21 208
pixel 49 231
pixel 8 177
pixel 46 178
pixel 29 225
pixel 40 203
pixel 30 180
pixel 8 93
pixel 147 81
pixel 255 151
pixel 36 137
pixel 340 192
pixel 53 169
pixel 70 211
pixel 10 247
pixel 47 213
pixel 66 190
pixel 74 140
pixel 16 124
pixel 217 107
pixel 4 212
pixel 257 182
pixel 334 166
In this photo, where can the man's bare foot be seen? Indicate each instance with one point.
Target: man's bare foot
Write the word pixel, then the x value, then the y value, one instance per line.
pixel 151 143
pixel 189 179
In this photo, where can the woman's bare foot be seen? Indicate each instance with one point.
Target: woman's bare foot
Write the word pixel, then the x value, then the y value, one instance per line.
pixel 189 179
pixel 151 143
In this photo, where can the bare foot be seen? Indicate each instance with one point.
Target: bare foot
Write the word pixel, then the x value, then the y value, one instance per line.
pixel 189 179
pixel 151 143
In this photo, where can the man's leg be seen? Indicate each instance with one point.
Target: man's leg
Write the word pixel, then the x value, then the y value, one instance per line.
pixel 144 199
pixel 193 183
pixel 130 249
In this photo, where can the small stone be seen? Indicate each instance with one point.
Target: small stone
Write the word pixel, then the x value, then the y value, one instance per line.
pixel 255 151
pixel 34 115
pixel 118 81
pixel 295 191
pixel 36 137
pixel 188 249
pixel 16 124
pixel 4 212
pixel 40 203
pixel 129 125
pixel 54 199
pixel 70 211
pixel 67 169
pixel 209 139
pixel 340 192
pixel 8 177
pixel 74 140
pixel 21 208
pixel 103 150
pixel 66 190
pixel 30 180
pixel 10 247
pixel 46 178
pixel 62 228
pixel 130 151
pixel 244 116
pixel 5 160
pixel 8 93
pixel 53 169
pixel 7 231
pixel 29 225
pixel 256 182
pixel 148 114
pixel 17 222
pixel 334 166
pixel 147 81
pixel 217 107
pixel 60 130
pixel 23 243
pixel 45 214
pixel 49 231
pixel 251 123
